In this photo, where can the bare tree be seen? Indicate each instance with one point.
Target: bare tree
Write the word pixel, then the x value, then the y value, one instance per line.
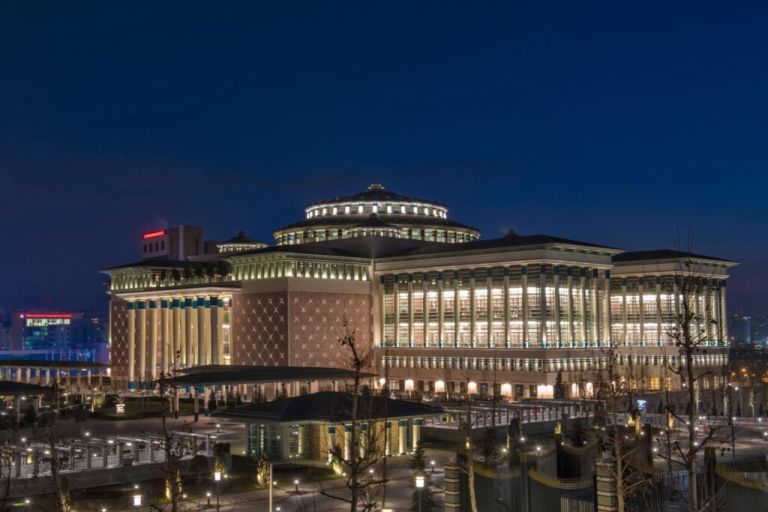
pixel 689 334
pixel 362 454
pixel 53 436
pixel 173 448
pixel 620 444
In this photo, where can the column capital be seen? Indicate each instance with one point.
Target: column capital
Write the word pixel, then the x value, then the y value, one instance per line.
pixel 131 305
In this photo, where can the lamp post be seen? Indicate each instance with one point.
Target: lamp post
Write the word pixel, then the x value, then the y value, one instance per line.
pixel 137 501
pixel 208 499
pixel 217 479
pixel 419 485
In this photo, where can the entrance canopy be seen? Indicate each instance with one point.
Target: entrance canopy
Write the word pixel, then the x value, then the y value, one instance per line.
pixel 229 375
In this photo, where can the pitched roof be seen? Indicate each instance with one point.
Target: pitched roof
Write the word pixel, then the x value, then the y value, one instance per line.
pixel 331 407
pixel 511 240
pixel 241 238
pixel 661 254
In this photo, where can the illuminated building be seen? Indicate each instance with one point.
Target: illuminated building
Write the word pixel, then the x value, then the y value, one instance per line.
pixel 442 310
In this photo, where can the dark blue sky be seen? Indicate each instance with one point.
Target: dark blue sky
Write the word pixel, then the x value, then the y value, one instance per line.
pixel 618 123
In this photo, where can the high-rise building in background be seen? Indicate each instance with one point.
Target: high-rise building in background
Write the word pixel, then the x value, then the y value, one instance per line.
pixel 63 336
pixel 438 308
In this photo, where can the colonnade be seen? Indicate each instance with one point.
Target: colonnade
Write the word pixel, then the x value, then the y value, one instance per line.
pixel 561 308
pixel 43 376
pixel 173 332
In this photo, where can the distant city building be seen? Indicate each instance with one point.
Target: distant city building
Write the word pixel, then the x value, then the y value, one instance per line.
pixel 439 310
pixel 57 336
pixel 177 243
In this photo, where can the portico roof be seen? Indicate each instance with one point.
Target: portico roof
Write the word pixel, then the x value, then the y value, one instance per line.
pixel 329 407
pixel 211 375
pixel 10 388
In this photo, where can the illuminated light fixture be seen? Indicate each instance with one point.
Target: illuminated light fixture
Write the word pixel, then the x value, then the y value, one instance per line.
pixel 137 500
pixel 46 315
pixel 419 481
pixel 153 234
pixel 217 476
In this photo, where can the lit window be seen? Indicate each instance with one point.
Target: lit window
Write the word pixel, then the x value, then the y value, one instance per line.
pixel 346 209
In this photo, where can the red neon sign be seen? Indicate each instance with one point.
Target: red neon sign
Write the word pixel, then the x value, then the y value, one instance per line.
pixel 46 315
pixel 154 234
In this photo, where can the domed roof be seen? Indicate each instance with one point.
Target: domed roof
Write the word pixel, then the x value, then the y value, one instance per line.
pixel 377 192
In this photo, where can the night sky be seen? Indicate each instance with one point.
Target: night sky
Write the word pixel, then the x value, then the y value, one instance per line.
pixel 617 123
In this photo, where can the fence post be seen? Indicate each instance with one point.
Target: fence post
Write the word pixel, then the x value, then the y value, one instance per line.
pixel 605 486
pixel 527 461
pixel 452 488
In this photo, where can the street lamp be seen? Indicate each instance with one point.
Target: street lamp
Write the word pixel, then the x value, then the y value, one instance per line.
pixel 217 479
pixel 208 496
pixel 420 481
pixel 137 500
pixel 432 463
pixel 296 485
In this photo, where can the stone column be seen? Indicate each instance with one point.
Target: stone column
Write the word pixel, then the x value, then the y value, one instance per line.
pixel 569 309
pixel 201 329
pixel 208 350
pixel 411 341
pixel 425 311
pixel 388 439
pixel 131 344
pixel 584 319
pixel 347 442
pixel 489 311
pixel 403 429
pixel 189 326
pixel 526 312
pixel 659 313
pixel 641 302
pixel 595 314
pixel 556 313
pixel 142 345
pixel 167 342
pixel 396 291
pixel 456 315
pixel 542 284
pixel 472 312
pixel 440 311
pixel 331 439
pixel 416 432
pixel 153 339
pixel 216 342
pixel 174 356
pixel 507 341
pixel 624 313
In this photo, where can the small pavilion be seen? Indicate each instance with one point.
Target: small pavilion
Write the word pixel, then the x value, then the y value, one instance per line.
pixel 304 428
